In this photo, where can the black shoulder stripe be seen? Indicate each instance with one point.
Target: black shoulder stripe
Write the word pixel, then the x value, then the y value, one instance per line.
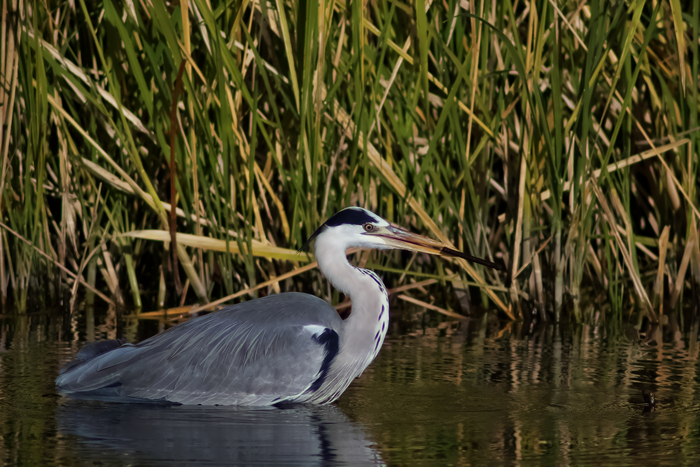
pixel 329 339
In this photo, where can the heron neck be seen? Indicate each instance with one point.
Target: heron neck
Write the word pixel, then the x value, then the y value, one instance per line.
pixel 364 288
pixel 364 330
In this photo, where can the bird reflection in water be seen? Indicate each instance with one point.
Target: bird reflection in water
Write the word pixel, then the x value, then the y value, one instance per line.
pixel 171 435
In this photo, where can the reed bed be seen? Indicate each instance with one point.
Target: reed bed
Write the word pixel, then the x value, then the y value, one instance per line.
pixel 557 137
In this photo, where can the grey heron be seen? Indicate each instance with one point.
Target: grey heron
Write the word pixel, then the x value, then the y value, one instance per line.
pixel 284 348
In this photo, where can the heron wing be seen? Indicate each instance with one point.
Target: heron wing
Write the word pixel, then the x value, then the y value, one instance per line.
pixel 255 353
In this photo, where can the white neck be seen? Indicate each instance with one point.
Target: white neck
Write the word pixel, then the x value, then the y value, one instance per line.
pixel 365 328
pixel 357 283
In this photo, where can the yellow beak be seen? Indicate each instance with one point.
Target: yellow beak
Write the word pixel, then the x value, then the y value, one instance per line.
pixel 399 238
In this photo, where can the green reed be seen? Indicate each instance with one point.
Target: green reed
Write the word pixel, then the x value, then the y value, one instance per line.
pixel 557 137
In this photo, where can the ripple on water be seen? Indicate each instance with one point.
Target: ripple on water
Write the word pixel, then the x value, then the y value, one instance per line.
pixel 467 394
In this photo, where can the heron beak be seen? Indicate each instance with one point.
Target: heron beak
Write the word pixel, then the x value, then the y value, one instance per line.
pixel 402 239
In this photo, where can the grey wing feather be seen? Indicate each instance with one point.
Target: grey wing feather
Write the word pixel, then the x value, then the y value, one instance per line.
pixel 254 353
pixel 92 350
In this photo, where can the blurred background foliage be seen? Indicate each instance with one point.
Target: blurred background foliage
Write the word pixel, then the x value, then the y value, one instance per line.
pixel 557 137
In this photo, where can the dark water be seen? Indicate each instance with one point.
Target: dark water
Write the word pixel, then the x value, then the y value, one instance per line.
pixel 473 393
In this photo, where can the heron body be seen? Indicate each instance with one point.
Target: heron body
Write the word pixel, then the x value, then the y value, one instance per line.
pixel 284 348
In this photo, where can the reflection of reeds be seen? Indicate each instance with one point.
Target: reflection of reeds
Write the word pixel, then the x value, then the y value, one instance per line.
pixel 560 139
pixel 481 392
pixel 469 392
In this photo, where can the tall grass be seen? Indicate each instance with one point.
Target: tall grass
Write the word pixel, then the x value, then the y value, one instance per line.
pixel 558 137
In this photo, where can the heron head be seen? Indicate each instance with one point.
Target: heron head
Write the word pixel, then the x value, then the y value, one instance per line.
pixel 358 227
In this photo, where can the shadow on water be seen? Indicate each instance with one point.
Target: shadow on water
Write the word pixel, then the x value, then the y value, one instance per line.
pixel 172 435
pixel 461 393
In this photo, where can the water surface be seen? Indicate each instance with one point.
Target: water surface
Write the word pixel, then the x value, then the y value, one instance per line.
pixel 466 393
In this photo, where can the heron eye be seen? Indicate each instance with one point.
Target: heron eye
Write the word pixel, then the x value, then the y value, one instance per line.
pixel 368 227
